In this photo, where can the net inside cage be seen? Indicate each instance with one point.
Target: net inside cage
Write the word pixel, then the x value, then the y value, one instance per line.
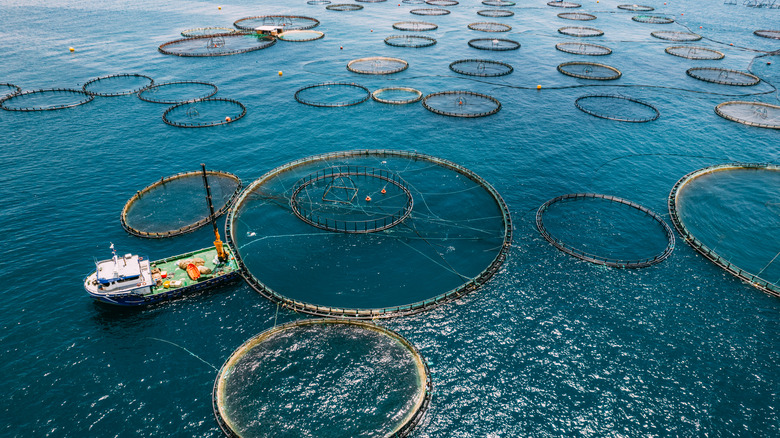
pixel 496 13
pixel 759 114
pixel 496 44
pixel 397 95
pixel 286 22
pixel 501 3
pixel 581 31
pixel 344 7
pixel 618 108
pixel 217 45
pixel 300 35
pixel 563 4
pixel 430 11
pixel 377 65
pixel 589 70
pixel 45 100
pixel 723 76
pixel 490 27
pixel 674 35
pixel 481 67
pixel 117 85
pixel 583 49
pixel 636 8
pixel 204 113
pixel 653 19
pixel 333 94
pixel 415 41
pixel 416 26
pixel 206 31
pixel 461 104
pixel 577 16
pixel 693 52
pixel 178 92
pixel 773 34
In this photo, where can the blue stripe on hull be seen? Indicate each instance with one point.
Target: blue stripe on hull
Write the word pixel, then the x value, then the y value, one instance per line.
pixel 136 300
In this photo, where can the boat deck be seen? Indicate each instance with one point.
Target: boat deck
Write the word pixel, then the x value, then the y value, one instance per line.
pixel 174 273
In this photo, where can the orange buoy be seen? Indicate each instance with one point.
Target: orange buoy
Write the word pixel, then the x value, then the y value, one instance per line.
pixel 228 119
pixel 368 199
pixel 384 191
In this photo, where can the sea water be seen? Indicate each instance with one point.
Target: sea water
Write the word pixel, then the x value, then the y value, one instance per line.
pixel 551 346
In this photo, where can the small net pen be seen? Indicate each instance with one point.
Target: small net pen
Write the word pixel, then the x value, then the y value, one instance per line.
pixel 723 76
pixel 332 94
pixel 318 2
pixel 413 2
pixel 415 26
pixel 323 377
pixel 605 230
pixel 618 108
pixel 287 22
pixel 772 34
pixel 414 41
pixel 300 36
pixel 441 2
pixel 580 31
pixel 370 1
pixel 430 11
pixel 117 85
pixel 466 104
pixel 500 3
pixel 344 7
pixel 481 67
pixel 674 35
pixel 729 214
pixel 495 13
pixel 583 49
pixel 45 100
pixel 397 95
pixel 693 52
pixel 206 31
pixel 758 114
pixel 204 113
pixel 177 204
pixel 652 19
pixel 563 4
pixel 497 44
pixel 636 8
pixel 485 26
pixel 172 93
pixel 223 44
pixel 377 65
pixel 8 90
pixel 577 16
pixel 589 70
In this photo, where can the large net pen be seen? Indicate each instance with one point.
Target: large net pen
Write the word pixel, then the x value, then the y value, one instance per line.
pixel 495 44
pixel 204 113
pixel 117 85
pixel 485 26
pixel 580 31
pixel 589 70
pixel 415 26
pixel 772 34
pixel 481 67
pixel 563 4
pixel 206 31
pixel 415 41
pixel 758 114
pixel 577 16
pixel 397 95
pixel 176 92
pixel 652 19
pixel 45 100
pixel 332 94
pixel 618 108
pixel 496 13
pixel 223 44
pixel 583 49
pixel 377 65
pixel 287 22
pixel 430 11
pixel 675 35
pixel 467 104
pixel 723 76
pixel 693 52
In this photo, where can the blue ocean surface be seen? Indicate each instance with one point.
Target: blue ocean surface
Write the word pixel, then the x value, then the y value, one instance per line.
pixel 551 346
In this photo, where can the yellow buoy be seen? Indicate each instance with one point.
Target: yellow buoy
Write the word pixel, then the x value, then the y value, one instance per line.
pixel 71 49
pixel 219 7
pixel 280 72
pixel 538 87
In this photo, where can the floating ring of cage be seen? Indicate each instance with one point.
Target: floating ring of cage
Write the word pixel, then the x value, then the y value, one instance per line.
pixel 773 34
pixel 222 44
pixel 328 199
pixel 625 244
pixel 675 35
pixel 562 4
pixel 636 8
pixel 8 90
pixel 496 13
pixel 377 65
pixel 430 11
pixel 581 31
pixel 589 70
pixel 497 44
pixel 454 240
pixel 441 2
pixel 300 36
pixel 344 7
pixel 583 49
pixel 413 2
pixel 206 31
pixel 176 92
pixel 370 1
pixel 729 214
pixel 481 67
pixel 332 94
pixel 204 113
pixel 498 3
pixel 45 100
pixel 485 26
pixel 578 16
pixel 175 204
pixel 652 19
pixel 288 22
pixel 415 41
pixel 723 76
pixel 397 95
pixel 615 107
pixel 417 26
pixel 327 377
pixel 117 85
pixel 693 52
pixel 759 114
pixel 461 104
pixel 318 2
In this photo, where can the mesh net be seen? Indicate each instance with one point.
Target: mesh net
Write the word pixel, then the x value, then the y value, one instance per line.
pixel 413 2
pixel 344 7
pixel 217 45
pixel 318 2
pixel 759 114
pixel 206 31
pixel 495 13
pixel 619 108
pixel 410 41
pixel 397 95
pixel 288 22
pixel 332 94
pixel 204 113
pixel 441 2
pixel 723 76
pixel 490 27
pixel 773 34
pixel 578 16
pixel 299 36
pixel 417 26
pixel 177 204
pixel 8 90
pixel 461 104
pixel 636 8
pixel 377 65
pixel 370 1
pixel 429 11
pixel 580 31
pixel 481 67
pixel 583 49
pixel 117 85
pixel 497 44
pixel 652 19
pixel 497 3
pixel 178 92
pixel 692 52
pixel 563 4
pixel 589 70
pixel 673 35
pixel 45 100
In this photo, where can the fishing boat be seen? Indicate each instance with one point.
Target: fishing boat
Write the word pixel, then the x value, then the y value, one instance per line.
pixel 134 280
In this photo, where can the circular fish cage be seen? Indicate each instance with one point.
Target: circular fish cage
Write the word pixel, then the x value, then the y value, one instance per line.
pixel 461 104
pixel 616 107
pixel 223 44
pixel 413 2
pixel 773 34
pixel 693 52
pixel 578 16
pixel 45 100
pixel 318 2
pixel 344 7
pixel 730 214
pixel 589 70
pixel 441 2
pixel 495 13
pixel 332 94
pixel 414 41
pixel 580 31
pixel 172 93
pixel 323 377
pixel 117 85
pixel 723 76
pixel 176 204
pixel 481 67
pixel 758 114
pixel 430 11
pixel 370 1
pixel 636 8
pixel 377 65
pixel 674 35
pixel 397 95
pixel 583 49
pixel 288 22
pixel 300 36
pixel 500 3
pixel 206 31
pixel 607 230
pixel 415 26
pixel 652 19
pixel 563 4
pixel 497 44
pixel 485 26
pixel 8 90
pixel 204 113
pixel 454 239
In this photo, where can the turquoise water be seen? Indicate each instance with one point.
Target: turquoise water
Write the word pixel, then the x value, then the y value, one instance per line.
pixel 551 346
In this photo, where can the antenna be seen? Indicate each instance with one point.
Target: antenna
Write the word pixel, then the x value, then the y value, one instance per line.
pixel 217 243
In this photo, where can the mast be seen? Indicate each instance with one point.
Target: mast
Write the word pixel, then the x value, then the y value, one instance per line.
pixel 217 243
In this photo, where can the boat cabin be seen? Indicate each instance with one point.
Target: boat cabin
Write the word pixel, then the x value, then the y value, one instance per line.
pixel 122 272
pixel 269 30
